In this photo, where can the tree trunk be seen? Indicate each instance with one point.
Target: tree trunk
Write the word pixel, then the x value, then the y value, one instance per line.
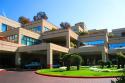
pixel 78 67
pixel 118 64
pixel 68 67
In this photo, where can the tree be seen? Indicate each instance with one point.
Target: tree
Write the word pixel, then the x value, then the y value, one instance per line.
pixel 108 63
pixel 102 63
pixel 72 59
pixel 67 61
pixel 77 60
pixel 65 25
pixel 40 15
pixel 83 33
pixel 23 20
pixel 120 60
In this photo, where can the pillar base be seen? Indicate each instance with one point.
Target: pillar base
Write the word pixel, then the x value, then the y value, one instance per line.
pixel 50 66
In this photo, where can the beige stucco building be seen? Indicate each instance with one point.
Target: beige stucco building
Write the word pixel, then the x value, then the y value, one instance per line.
pixel 43 42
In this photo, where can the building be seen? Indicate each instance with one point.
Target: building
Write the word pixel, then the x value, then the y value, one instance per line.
pixel 43 42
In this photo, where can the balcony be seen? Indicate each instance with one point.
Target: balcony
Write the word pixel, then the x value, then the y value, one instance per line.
pixel 8 46
pixel 115 50
pixel 59 33
pixel 88 49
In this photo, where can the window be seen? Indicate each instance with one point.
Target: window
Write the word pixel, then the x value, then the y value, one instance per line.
pixel 4 27
pixel 36 29
pixel 13 38
pixel 123 34
pixel 116 45
pixel 97 42
pixel 46 29
pixel 29 41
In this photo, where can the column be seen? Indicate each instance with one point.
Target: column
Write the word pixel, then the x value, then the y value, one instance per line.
pixel 104 58
pixel 49 58
pixel 68 41
pixel 18 59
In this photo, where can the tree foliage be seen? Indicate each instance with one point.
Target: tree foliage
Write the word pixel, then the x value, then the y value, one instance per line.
pixel 120 60
pixel 23 20
pixel 72 59
pixel 40 15
pixel 65 25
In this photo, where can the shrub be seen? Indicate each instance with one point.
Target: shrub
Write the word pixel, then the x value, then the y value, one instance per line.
pixel 53 29
pixel 108 63
pixel 83 33
pixel 101 63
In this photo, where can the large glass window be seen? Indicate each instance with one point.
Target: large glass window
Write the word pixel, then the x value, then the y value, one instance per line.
pixel 97 42
pixel 29 41
pixel 116 45
pixel 4 27
pixel 37 29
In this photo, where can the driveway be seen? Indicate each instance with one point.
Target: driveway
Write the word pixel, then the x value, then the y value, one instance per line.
pixel 31 77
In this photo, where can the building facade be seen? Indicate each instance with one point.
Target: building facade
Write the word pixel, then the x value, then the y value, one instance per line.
pixel 43 42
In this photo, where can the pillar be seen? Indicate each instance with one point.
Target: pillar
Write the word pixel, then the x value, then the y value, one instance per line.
pixel 68 41
pixel 18 59
pixel 104 56
pixel 49 58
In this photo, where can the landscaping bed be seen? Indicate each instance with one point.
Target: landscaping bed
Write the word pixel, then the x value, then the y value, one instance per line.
pixel 83 72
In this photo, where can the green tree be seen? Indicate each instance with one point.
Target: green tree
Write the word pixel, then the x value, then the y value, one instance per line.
pixel 65 25
pixel 101 63
pixel 67 61
pixel 83 33
pixel 23 20
pixel 77 60
pixel 72 59
pixel 120 60
pixel 40 15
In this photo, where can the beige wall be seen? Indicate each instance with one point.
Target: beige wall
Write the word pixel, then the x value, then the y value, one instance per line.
pixel 117 40
pixel 118 32
pixel 9 22
pixel 8 46
pixel 10 32
pixel 43 23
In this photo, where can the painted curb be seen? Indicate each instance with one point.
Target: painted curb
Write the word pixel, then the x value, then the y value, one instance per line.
pixel 77 76
pixel 2 70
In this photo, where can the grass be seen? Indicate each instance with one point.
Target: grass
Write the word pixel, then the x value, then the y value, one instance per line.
pixel 84 71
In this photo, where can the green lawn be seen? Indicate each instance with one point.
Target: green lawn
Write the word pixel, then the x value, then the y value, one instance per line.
pixel 84 71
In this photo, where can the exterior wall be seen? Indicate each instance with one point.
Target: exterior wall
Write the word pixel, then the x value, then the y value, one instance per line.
pixel 48 25
pixel 33 24
pixel 9 22
pixel 116 40
pixel 28 33
pixel 43 23
pixel 8 46
pixel 52 34
pixel 10 32
pixel 118 32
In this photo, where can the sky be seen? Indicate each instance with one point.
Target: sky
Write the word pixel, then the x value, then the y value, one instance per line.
pixel 96 14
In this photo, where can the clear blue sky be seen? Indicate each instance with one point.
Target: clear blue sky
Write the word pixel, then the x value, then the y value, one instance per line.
pixel 97 14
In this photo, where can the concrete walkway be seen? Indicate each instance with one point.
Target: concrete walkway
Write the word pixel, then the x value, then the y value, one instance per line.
pixel 31 77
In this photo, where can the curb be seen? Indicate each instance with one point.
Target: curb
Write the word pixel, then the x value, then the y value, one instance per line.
pixel 2 70
pixel 77 76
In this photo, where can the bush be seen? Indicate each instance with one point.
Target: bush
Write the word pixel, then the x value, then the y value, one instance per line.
pixel 53 29
pixel 109 63
pixel 83 33
pixel 101 63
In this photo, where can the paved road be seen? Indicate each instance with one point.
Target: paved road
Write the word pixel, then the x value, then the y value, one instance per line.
pixel 31 77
